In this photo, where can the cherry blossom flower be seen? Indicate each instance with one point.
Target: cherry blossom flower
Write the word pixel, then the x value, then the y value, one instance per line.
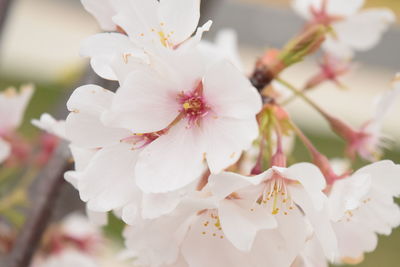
pixel 104 166
pixel 166 22
pixel 269 209
pixel 192 235
pixel 368 140
pixel 195 101
pixel 286 194
pixel 353 28
pixel 362 206
pixel 12 109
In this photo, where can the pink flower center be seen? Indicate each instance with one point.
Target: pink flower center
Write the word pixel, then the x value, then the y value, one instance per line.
pixel 193 105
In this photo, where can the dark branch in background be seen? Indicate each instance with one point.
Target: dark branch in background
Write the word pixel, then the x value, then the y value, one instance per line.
pixel 41 206
pixel 4 8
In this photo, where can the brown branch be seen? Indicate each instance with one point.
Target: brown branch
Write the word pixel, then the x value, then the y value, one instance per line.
pixel 51 180
pixel 4 8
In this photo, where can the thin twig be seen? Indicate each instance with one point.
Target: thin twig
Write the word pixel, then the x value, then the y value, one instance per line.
pixel 41 208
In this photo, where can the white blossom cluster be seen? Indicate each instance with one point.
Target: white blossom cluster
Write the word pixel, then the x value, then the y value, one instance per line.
pixel 166 150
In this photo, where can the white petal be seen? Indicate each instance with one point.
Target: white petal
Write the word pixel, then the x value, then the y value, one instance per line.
pixel 130 213
pixel 364 30
pixel 344 7
pixel 303 7
pixel 338 48
pixel 195 40
pixel 223 184
pixel 102 10
pixel 311 256
pixel 179 18
pixel 354 239
pixel 72 177
pixel 89 132
pixel 13 105
pixel 138 19
pixel 348 194
pixel 385 103
pixel 5 150
pixel 225 139
pixel 51 125
pixel 102 48
pixel 311 178
pixel 229 93
pixel 233 216
pixel 280 246
pixel 90 99
pixel 334 7
pixel 144 103
pixel 172 161
pixel 156 205
pixel 319 219
pixel 108 182
pixel 81 156
pixel 83 125
pixel 385 177
pixel 157 242
pixel 201 250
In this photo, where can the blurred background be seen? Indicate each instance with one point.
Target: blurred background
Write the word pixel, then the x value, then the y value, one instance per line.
pixel 40 44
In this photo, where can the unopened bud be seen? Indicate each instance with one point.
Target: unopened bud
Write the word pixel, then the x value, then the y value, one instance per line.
pixel 305 44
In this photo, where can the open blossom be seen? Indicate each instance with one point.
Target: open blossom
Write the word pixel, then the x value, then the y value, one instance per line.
pixel 166 22
pixel 362 206
pixel 280 194
pixel 353 28
pixel 105 160
pixel 12 109
pixel 203 113
pixel 170 22
pixel 145 26
pixel 367 141
pixel 268 209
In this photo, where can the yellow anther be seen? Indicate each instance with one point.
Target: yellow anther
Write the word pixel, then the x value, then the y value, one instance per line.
pixel 187 105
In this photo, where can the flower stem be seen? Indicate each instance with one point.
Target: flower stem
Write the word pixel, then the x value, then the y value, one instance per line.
pixel 318 159
pixel 338 126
